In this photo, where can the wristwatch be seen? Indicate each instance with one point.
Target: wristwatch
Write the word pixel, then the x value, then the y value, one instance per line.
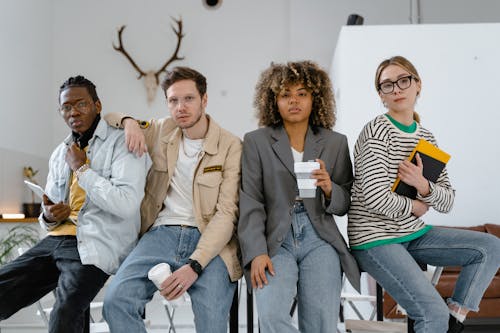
pixel 196 266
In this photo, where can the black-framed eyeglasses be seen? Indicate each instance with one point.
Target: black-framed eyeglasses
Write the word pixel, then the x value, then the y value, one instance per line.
pixel 81 106
pixel 403 83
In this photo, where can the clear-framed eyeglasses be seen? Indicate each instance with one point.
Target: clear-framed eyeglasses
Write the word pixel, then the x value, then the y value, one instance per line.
pixel 80 106
pixel 175 101
pixel 403 83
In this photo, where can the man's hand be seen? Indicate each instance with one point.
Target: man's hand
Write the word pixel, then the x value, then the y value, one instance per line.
pixel 55 212
pixel 258 270
pixel 75 157
pixel 419 208
pixel 412 175
pixel 323 179
pixel 134 138
pixel 177 283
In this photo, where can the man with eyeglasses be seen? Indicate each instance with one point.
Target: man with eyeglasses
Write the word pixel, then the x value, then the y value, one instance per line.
pixel 189 211
pixel 90 212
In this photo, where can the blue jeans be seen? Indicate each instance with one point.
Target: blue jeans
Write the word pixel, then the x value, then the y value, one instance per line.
pixel 308 267
pixel 395 267
pixel 130 290
pixel 53 263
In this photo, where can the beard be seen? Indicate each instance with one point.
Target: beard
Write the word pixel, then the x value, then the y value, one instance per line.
pixel 192 123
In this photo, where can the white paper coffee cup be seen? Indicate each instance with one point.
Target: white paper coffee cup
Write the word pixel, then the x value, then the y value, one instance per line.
pixel 159 273
pixel 306 184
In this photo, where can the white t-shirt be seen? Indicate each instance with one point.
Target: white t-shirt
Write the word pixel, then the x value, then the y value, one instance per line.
pixel 297 156
pixel 178 208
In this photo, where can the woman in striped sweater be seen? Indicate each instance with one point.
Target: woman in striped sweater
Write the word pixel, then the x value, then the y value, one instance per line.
pixel 386 231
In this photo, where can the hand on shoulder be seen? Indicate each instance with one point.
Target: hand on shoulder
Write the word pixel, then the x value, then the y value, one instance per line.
pixel 134 137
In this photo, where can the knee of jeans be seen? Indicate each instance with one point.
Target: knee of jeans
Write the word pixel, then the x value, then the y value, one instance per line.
pixel 270 311
pixel 493 247
pixel 112 298
pixel 108 304
pixel 437 313
pixel 273 314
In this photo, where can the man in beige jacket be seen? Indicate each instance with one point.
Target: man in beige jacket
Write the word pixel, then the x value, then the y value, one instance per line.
pixel 189 211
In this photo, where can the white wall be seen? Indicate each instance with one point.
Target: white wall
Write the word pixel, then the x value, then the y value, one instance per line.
pixel 25 88
pixel 26 95
pixel 315 25
pixel 13 192
pixel 459 71
pixel 230 46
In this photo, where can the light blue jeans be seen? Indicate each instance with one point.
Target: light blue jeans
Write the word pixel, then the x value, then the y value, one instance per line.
pixel 395 267
pixel 307 267
pixel 130 290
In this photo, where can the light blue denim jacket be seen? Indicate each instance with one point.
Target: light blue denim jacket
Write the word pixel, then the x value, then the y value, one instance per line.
pixel 109 220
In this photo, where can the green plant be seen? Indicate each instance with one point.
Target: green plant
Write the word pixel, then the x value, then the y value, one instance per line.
pixel 20 235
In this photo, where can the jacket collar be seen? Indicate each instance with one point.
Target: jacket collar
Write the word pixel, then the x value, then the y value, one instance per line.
pixel 210 142
pixel 101 131
pixel 312 147
pixel 172 142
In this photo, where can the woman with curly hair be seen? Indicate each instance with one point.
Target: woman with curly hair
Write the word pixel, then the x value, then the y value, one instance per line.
pixel 291 245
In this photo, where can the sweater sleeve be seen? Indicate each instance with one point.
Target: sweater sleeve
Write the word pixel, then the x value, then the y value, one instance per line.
pixel 373 165
pixel 441 196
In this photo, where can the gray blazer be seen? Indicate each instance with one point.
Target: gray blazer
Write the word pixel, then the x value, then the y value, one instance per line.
pixel 269 187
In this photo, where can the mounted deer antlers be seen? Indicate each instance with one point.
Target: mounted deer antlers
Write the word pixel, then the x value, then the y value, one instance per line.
pixel 152 78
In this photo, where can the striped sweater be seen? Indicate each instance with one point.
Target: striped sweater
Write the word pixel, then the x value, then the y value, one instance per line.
pixel 377 215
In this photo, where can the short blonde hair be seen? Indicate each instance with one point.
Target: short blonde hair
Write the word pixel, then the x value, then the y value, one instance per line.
pixel 278 76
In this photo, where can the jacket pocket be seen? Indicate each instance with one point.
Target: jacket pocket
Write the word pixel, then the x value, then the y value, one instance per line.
pixel 208 186
pixel 57 192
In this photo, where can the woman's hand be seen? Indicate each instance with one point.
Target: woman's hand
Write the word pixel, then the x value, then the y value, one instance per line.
pixel 323 179
pixel 419 208
pixel 134 138
pixel 412 175
pixel 258 270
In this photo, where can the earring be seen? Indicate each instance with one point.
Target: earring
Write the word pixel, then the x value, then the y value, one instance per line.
pixel 384 103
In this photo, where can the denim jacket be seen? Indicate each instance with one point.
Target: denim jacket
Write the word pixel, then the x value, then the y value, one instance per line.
pixel 109 220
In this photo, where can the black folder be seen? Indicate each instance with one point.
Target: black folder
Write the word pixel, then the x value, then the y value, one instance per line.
pixel 434 161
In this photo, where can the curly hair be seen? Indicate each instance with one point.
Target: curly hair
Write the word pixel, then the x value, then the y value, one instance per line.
pixel 80 81
pixel 278 76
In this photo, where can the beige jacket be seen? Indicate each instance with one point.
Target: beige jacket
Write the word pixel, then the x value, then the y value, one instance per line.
pixel 215 187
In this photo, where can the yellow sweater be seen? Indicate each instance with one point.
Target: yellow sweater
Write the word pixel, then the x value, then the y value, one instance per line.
pixel 76 200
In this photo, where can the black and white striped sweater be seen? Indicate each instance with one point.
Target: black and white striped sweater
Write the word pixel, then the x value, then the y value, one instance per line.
pixel 377 215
